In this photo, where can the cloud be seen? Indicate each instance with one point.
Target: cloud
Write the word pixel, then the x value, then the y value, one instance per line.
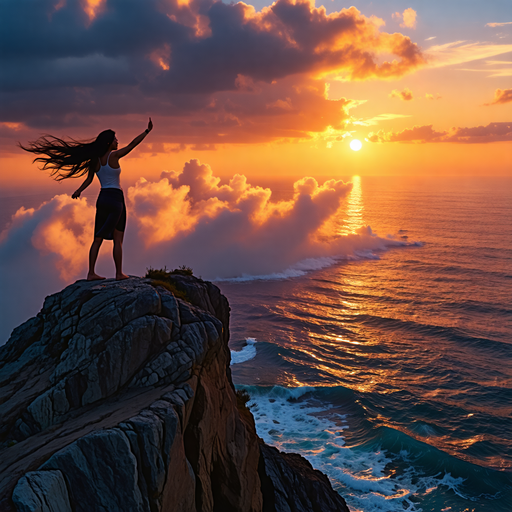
pixel 379 118
pixel 221 230
pixel 498 24
pixel 190 62
pixel 459 52
pixel 494 72
pixel 430 38
pixel 40 252
pixel 416 134
pixel 429 96
pixel 502 71
pixel 493 132
pixel 408 18
pixel 405 95
pixel 501 96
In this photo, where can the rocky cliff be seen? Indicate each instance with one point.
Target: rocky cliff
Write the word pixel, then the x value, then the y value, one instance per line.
pixel 118 396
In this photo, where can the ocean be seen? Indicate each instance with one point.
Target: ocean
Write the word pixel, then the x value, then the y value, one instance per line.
pixel 392 373
pixel 389 371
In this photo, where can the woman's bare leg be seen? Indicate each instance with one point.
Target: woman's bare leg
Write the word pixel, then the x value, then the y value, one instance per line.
pixel 118 254
pixel 93 256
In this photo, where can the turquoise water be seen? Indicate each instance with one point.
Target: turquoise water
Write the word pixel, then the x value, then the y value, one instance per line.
pixel 394 375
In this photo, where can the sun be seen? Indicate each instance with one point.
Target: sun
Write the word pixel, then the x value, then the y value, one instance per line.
pixel 356 145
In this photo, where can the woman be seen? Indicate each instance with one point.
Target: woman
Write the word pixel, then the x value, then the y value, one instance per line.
pixel 101 157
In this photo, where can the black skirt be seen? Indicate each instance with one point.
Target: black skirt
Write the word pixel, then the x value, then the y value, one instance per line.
pixel 110 213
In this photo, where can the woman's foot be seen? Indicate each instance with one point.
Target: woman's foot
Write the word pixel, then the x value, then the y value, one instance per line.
pixel 91 276
pixel 120 277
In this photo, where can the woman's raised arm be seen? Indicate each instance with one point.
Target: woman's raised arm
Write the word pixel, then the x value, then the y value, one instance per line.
pixel 135 142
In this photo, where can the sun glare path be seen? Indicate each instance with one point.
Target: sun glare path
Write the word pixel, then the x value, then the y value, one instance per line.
pixel 356 145
pixel 355 207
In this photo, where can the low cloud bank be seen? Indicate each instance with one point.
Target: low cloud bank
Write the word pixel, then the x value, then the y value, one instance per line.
pixel 493 132
pixel 233 230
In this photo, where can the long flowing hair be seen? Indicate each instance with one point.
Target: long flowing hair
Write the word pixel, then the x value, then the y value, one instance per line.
pixel 69 159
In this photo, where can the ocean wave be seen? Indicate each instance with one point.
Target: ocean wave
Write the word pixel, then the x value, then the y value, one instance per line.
pixel 299 269
pixel 308 265
pixel 370 476
pixel 246 354
pixel 455 335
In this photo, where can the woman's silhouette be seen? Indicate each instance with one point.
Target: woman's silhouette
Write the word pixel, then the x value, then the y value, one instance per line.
pixel 72 159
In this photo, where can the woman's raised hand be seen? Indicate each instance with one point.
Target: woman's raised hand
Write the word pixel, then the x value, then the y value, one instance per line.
pixel 150 124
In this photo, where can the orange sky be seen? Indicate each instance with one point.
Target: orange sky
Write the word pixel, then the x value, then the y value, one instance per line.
pixel 241 97
pixel 271 90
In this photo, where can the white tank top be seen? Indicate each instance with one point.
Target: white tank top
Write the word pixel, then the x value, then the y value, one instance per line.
pixel 108 176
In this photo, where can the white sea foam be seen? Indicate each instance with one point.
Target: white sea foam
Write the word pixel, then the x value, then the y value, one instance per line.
pixel 247 353
pixel 264 277
pixel 297 270
pixel 307 265
pixel 294 421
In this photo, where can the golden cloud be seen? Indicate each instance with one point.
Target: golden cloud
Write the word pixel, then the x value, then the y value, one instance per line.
pixel 459 52
pixel 218 73
pixel 405 95
pixel 501 96
pixel 498 24
pixel 408 18
pixel 493 132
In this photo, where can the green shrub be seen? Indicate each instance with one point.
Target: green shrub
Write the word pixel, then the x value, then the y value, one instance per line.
pixel 160 274
pixel 164 274
pixel 183 270
pixel 164 277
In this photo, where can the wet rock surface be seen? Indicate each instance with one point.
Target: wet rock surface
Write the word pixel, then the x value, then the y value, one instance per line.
pixel 290 484
pixel 118 396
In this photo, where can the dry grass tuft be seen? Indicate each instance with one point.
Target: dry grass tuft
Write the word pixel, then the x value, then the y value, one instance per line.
pixel 164 277
pixel 170 286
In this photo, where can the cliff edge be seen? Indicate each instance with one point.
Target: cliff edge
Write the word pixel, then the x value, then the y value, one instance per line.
pixel 118 396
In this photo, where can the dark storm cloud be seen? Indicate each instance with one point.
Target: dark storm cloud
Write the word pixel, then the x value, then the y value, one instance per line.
pixel 36 29
pixel 88 71
pixel 60 62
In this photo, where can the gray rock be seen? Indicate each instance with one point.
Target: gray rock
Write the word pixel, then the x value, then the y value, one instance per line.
pixel 187 312
pixel 101 472
pixel 41 409
pixel 41 491
pixel 76 356
pixel 150 434
pixel 21 338
pixel 152 379
pixel 194 335
pixel 290 484
pixel 182 394
pixel 126 393
pixel 170 306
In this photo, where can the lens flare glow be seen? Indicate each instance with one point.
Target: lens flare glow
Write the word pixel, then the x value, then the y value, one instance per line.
pixel 356 145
